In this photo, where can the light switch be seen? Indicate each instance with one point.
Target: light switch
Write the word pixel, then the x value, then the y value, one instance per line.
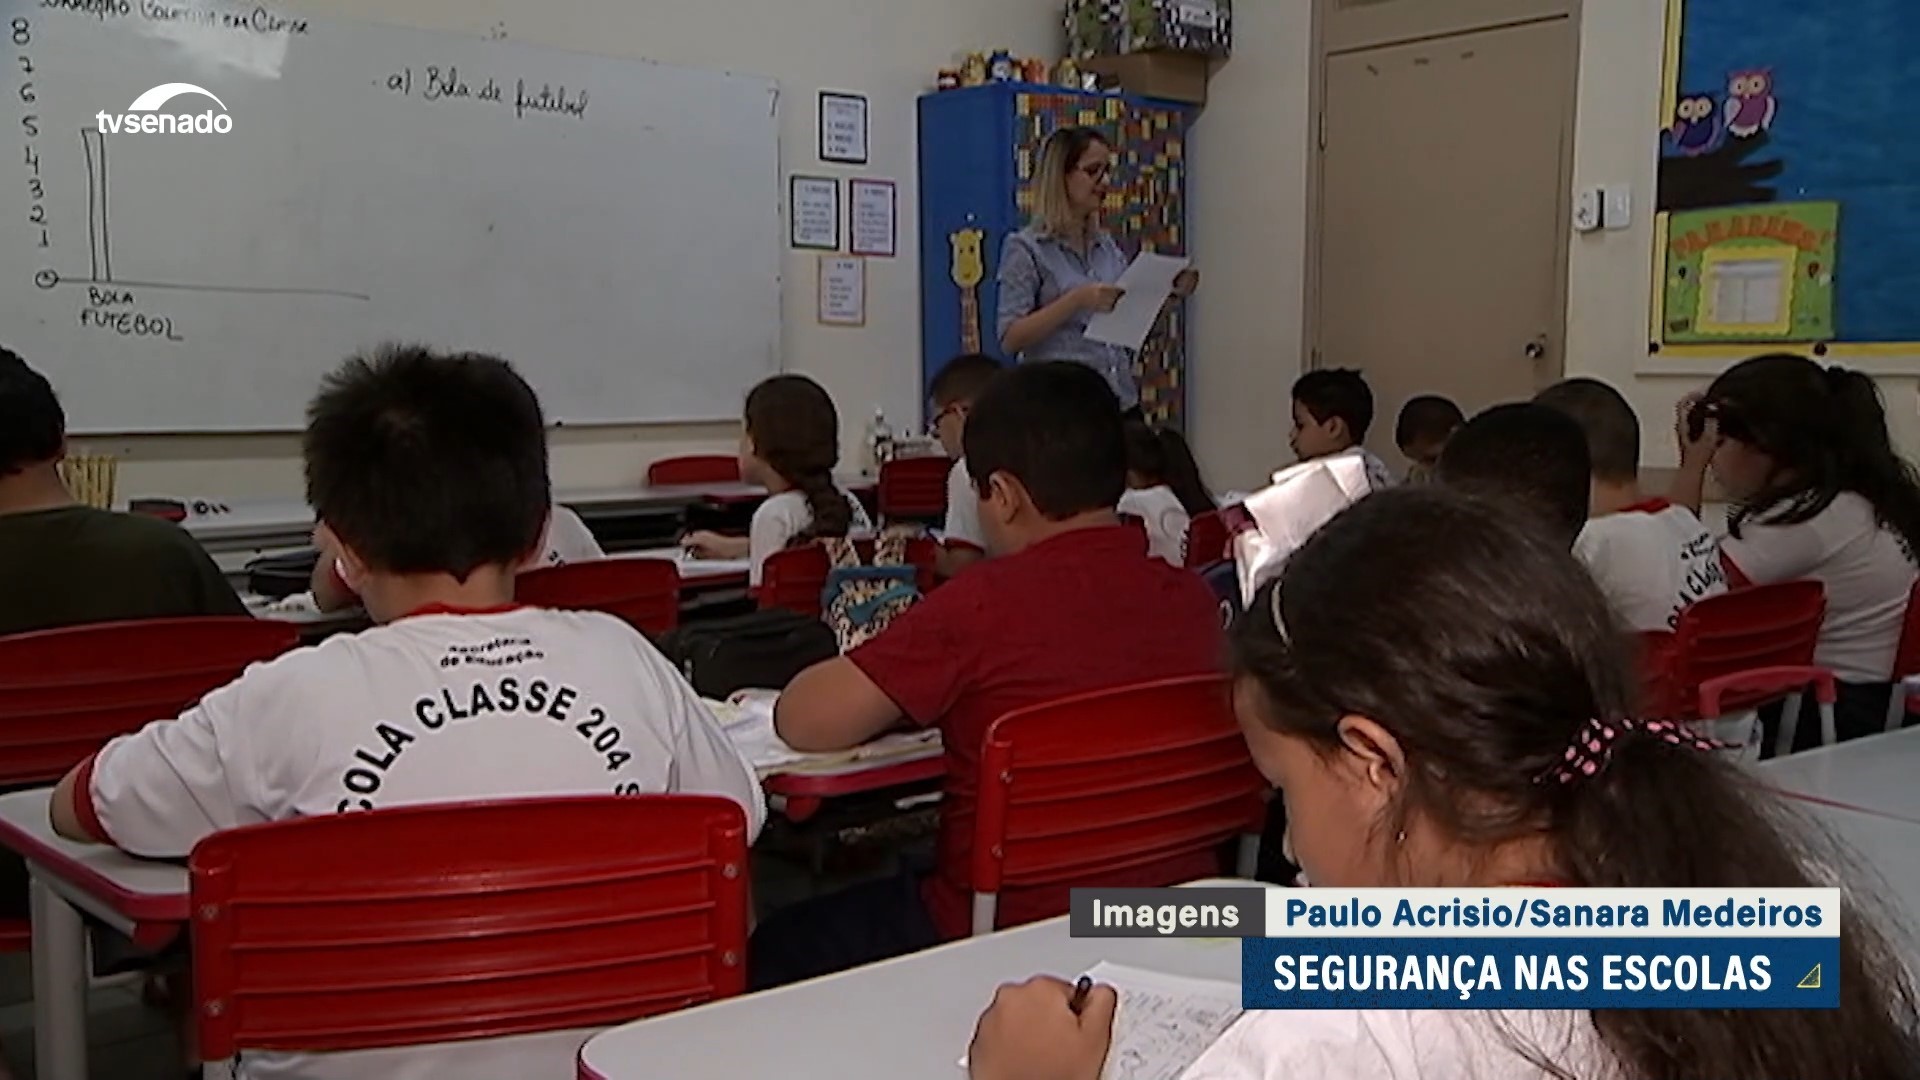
pixel 1616 211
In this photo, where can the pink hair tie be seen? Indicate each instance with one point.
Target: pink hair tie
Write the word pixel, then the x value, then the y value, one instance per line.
pixel 1592 746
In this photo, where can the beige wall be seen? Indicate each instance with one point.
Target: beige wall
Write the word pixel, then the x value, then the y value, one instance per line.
pixel 886 49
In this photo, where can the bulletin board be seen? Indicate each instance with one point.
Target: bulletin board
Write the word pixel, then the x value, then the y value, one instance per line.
pixel 1789 187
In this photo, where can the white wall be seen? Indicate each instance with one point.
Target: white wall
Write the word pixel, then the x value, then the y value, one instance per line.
pixel 888 50
pixel 1249 213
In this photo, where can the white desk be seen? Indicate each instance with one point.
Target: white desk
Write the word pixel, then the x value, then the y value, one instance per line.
pixel 698 573
pixel 1879 774
pixel 1886 853
pixel 904 1019
pixel 144 900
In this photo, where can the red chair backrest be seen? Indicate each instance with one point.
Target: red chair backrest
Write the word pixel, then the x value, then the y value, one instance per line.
pixel 794 578
pixel 467 921
pixel 695 469
pixel 644 592
pixel 1765 626
pixel 1906 660
pixel 65 693
pixel 1206 540
pixel 1101 782
pixel 914 488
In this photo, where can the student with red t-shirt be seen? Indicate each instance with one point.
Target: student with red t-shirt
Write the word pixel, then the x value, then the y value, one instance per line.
pixel 1071 603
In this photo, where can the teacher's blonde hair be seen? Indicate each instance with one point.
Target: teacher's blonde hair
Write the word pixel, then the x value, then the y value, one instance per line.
pixel 1059 155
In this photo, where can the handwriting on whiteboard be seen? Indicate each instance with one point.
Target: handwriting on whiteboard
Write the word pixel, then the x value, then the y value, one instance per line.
pixel 436 83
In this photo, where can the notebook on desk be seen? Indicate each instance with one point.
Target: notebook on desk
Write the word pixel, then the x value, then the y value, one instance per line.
pixel 1164 1023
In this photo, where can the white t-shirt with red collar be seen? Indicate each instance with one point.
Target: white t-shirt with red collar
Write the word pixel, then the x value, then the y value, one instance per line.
pixel 1652 560
pixel 1867 570
pixel 566 540
pixel 436 707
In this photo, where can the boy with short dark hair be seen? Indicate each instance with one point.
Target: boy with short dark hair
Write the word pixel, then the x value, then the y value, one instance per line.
pixel 429 475
pixel 1653 559
pixel 1071 603
pixel 64 564
pixel 1528 457
pixel 1332 410
pixel 954 391
pixel 1425 424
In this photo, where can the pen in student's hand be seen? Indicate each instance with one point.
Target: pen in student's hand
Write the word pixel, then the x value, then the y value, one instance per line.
pixel 1080 991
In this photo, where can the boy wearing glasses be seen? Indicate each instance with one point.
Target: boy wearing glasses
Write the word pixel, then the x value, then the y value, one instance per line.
pixel 954 390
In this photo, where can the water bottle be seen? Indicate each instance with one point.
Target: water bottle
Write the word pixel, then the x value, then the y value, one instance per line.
pixel 879 441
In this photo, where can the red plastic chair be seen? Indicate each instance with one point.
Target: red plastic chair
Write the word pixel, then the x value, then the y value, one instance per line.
pixel 1078 789
pixel 481 920
pixel 914 489
pixel 1906 665
pixel 1738 651
pixel 65 693
pixel 1206 540
pixel 694 469
pixel 794 578
pixel 643 592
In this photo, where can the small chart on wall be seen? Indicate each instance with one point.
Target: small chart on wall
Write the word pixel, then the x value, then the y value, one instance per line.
pixel 1789 195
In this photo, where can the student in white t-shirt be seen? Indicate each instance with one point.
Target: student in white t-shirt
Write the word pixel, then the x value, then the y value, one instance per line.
pixel 1819 494
pixel 1493 748
pixel 1164 489
pixel 1332 410
pixel 1527 459
pixel 789 445
pixel 565 539
pixel 1651 558
pixel 954 390
pixel 457 695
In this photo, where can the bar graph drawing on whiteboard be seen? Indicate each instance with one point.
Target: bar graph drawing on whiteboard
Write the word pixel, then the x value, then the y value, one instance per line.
pixel 100 273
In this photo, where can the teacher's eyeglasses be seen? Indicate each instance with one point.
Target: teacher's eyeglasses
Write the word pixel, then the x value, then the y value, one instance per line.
pixel 1098 171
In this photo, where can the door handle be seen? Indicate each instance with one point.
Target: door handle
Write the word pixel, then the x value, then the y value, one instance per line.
pixel 1537 348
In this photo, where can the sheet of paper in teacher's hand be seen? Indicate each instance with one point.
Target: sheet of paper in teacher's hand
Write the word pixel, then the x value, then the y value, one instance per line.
pixel 1145 287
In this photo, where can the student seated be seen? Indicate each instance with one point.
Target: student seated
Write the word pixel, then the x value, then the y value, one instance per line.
pixel 1528 458
pixel 789 445
pixel 954 391
pixel 1819 493
pixel 1164 489
pixel 398 430
pixel 64 564
pixel 565 539
pixel 1332 410
pixel 1425 424
pixel 1070 603
pixel 1653 559
pixel 1496 747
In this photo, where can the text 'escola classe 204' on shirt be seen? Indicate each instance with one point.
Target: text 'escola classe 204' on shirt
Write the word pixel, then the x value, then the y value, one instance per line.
pixel 1505 948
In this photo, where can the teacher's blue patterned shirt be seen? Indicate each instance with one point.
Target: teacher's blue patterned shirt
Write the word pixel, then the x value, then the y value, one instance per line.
pixel 1035 270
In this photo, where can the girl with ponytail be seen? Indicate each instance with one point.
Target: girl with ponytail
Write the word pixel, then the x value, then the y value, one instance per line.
pixel 1819 493
pixel 1164 488
pixel 790 444
pixel 1464 756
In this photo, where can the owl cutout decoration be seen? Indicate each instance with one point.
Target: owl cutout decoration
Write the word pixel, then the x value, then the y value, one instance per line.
pixel 1696 125
pixel 1750 104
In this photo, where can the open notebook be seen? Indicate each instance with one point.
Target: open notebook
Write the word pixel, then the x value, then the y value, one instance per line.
pixel 1165 1022
pixel 747 718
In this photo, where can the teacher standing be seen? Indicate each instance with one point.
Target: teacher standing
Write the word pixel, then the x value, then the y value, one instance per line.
pixel 1061 269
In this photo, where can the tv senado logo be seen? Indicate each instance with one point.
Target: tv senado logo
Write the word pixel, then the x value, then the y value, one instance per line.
pixel 144 117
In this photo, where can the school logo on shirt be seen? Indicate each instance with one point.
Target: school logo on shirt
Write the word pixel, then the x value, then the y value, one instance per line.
pixel 144 117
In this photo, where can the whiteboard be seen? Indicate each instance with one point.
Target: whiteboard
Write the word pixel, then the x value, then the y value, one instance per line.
pixel 609 225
